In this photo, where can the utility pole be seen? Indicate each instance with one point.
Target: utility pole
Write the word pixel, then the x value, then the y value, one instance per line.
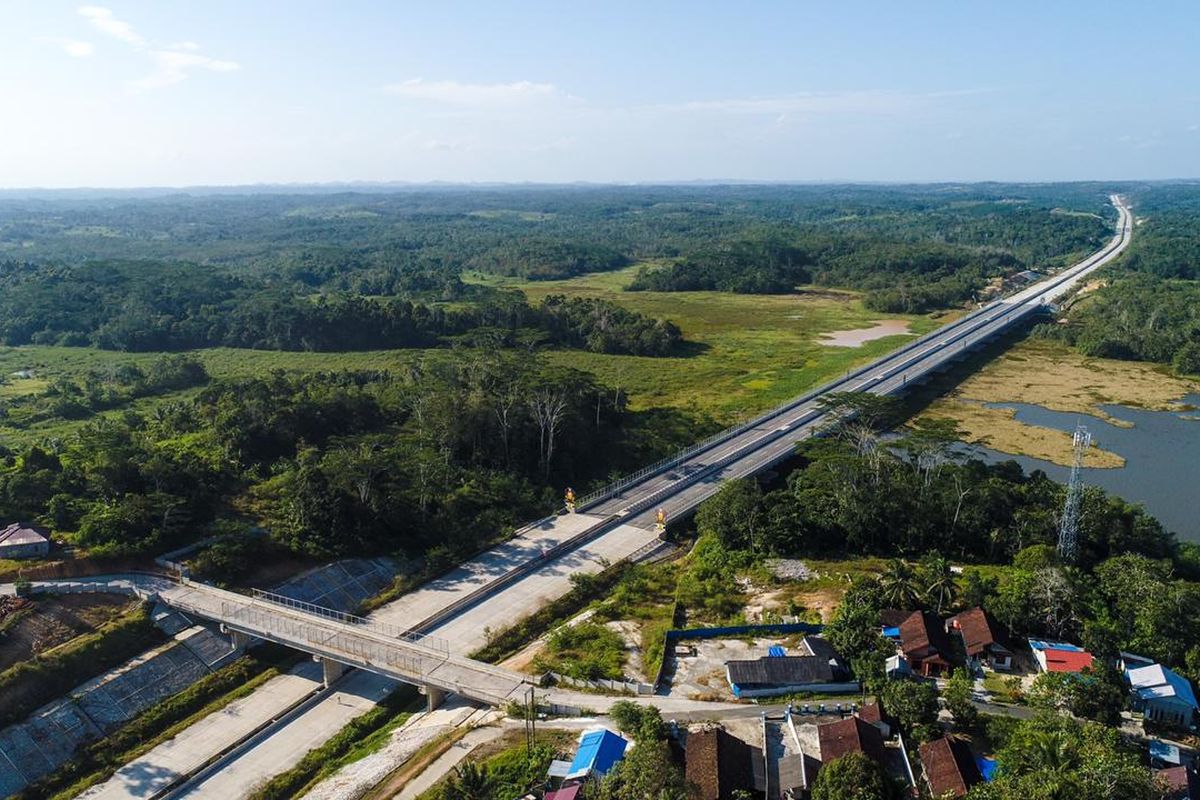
pixel 1068 532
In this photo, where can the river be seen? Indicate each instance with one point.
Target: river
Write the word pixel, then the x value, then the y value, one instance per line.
pixel 1161 452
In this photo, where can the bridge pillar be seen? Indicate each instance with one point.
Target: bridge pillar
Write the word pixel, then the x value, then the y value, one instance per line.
pixel 434 697
pixel 330 670
pixel 239 640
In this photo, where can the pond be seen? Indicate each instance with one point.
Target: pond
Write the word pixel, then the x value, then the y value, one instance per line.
pixel 1161 451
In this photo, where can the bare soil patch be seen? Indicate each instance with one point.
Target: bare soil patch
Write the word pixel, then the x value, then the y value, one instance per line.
pixel 51 621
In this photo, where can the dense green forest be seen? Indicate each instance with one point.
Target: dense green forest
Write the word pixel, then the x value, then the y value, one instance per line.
pixel 1149 307
pixel 297 271
pixel 439 460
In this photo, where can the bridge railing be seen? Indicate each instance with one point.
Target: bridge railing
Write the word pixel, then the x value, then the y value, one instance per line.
pixel 337 644
pixel 391 631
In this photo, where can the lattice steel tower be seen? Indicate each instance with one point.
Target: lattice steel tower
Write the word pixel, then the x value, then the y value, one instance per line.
pixel 1068 532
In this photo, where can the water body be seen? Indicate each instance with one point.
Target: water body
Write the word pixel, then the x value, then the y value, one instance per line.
pixel 1161 452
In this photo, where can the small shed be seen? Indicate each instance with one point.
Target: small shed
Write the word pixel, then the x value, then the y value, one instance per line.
pixel 568 792
pixel 599 750
pixel 23 540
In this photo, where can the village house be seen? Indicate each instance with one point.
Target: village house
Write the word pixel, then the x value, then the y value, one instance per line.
pixel 1162 695
pixel 949 766
pixel 925 645
pixel 985 640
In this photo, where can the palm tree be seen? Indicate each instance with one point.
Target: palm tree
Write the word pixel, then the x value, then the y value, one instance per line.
pixel 470 780
pixel 941 586
pixel 898 582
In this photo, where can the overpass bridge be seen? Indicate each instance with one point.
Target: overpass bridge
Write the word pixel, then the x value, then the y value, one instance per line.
pixel 338 640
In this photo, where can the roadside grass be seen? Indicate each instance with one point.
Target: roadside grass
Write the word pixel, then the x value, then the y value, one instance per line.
pixel 513 769
pixel 356 739
pixel 428 753
pixel 52 620
pixel 586 650
pixel 101 759
pixel 586 588
pixel 31 684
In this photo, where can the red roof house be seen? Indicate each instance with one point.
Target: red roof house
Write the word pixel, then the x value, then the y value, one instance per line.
pixel 925 645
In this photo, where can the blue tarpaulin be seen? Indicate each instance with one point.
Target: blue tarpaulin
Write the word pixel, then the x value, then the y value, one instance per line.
pixel 987 767
pixel 777 651
pixel 598 751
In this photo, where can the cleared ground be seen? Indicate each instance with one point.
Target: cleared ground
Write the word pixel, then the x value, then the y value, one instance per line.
pixel 51 621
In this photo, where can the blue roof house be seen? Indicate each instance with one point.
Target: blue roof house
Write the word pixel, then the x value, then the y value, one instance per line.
pixel 599 750
pixel 1161 695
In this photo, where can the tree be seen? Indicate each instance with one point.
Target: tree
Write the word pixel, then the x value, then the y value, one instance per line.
pixel 470 779
pixel 914 704
pixel 734 514
pixel 939 583
pixel 958 696
pixel 646 773
pixel 978 591
pixel 853 776
pixel 641 721
pixel 898 585
pixel 854 632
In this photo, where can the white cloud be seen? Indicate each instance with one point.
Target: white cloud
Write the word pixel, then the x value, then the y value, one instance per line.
pixel 171 67
pixel 172 62
pixel 105 21
pixel 468 95
pixel 72 47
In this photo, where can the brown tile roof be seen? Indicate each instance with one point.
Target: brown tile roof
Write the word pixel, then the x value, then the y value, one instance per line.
pixel 871 712
pixel 1180 783
pixel 850 735
pixel 979 631
pixel 717 763
pixel 949 767
pixel 923 631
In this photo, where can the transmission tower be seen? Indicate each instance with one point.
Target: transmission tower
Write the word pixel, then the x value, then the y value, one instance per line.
pixel 1068 533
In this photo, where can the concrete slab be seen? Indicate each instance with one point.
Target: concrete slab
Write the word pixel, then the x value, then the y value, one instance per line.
pixel 187 752
pixel 465 633
pixel 283 747
pixel 435 595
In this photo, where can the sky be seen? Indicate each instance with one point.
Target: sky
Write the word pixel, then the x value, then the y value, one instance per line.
pixel 226 92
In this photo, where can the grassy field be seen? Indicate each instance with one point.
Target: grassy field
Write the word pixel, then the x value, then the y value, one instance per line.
pixel 1054 376
pixel 750 351
pixel 746 353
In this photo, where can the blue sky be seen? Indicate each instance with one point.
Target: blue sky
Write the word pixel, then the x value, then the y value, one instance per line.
pixel 139 93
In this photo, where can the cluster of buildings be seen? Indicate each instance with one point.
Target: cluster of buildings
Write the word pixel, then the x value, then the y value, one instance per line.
pixel 929 647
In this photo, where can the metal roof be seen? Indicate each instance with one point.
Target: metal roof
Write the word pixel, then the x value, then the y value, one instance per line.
pixel 599 750
pixel 780 671
pixel 1157 681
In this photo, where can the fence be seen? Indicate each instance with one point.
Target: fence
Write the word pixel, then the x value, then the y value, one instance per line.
pixel 626 687
pixel 343 646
